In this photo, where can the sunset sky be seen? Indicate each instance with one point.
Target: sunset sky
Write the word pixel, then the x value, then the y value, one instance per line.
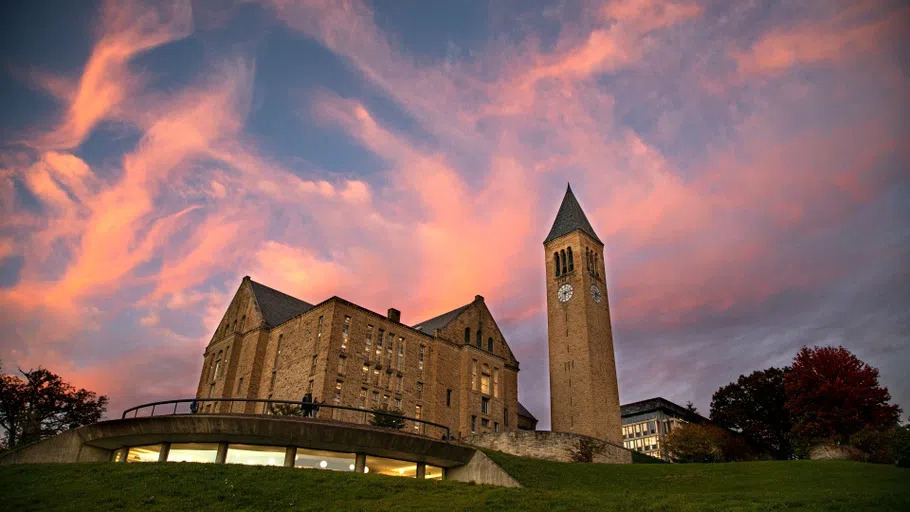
pixel 746 163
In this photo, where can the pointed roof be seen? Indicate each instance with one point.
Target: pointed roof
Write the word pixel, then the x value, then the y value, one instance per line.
pixel 438 322
pixel 276 307
pixel 522 411
pixel 570 218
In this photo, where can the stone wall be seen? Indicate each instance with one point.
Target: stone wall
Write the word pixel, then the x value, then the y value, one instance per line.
pixel 553 446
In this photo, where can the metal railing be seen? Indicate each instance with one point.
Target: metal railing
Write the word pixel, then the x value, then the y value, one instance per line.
pixel 259 407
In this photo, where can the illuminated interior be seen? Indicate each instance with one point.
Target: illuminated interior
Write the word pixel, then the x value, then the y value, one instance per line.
pixel 321 459
pixel 391 467
pixel 434 473
pixel 193 452
pixel 144 453
pixel 253 455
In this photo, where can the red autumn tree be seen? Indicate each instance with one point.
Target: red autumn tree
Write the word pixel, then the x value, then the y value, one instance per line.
pixel 832 395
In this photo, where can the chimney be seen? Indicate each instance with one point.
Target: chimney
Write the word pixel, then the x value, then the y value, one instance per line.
pixel 478 298
pixel 394 315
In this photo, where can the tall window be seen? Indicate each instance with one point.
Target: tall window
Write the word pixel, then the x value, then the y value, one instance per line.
pixel 595 264
pixel 375 401
pixel 365 373
pixel 587 259
pixel 211 390
pixel 400 383
pixel 345 333
pixel 485 405
pixel 341 361
pixel 490 344
pixel 242 322
pixel 556 262
pixel 318 332
pixel 505 416
pixel 272 381
pixel 417 410
pixel 313 367
pixel 369 343
pixel 389 350
pixel 473 424
pixel 400 352
pixel 467 335
pixel 278 350
pixel 337 391
pixel 396 403
pixel 496 382
pixel 448 398
pixel 420 390
pixel 239 385
pixel 485 380
pixel 375 376
pixel 420 356
pixel 562 256
pixel 479 338
pixel 571 261
pixel 474 374
pixel 379 346
pixel 385 401
pixel 218 364
pixel 363 398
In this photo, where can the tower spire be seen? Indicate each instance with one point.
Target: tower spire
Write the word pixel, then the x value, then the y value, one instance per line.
pixel 570 218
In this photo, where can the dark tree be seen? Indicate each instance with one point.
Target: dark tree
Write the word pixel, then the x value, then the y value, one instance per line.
pixel 42 405
pixel 388 418
pixel 754 405
pixel 832 395
pixel 692 412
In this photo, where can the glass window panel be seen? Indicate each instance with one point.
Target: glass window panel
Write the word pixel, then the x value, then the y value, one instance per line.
pixel 434 472
pixel 255 455
pixel 322 459
pixel 391 467
pixel 193 452
pixel 144 453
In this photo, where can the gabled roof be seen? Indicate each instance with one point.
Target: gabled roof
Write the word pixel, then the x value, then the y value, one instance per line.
pixel 659 403
pixel 570 218
pixel 276 307
pixel 524 412
pixel 430 326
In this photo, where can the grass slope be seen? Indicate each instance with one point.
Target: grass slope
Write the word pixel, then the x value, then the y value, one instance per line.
pixel 550 486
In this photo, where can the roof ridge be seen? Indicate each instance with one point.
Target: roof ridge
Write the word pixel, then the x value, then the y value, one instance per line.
pixel 440 320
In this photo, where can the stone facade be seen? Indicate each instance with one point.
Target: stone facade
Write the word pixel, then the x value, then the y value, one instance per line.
pixel 347 355
pixel 584 396
pixel 554 446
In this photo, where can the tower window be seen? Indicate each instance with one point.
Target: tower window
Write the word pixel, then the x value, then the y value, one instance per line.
pixel 467 335
pixel 556 262
pixel 562 256
pixel 571 261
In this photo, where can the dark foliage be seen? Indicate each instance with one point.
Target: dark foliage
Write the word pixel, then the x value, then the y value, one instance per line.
pixel 755 406
pixel 585 450
pixel 832 395
pixel 41 405
pixel 390 418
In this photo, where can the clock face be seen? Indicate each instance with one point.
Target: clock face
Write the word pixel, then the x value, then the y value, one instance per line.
pixel 565 293
pixel 595 293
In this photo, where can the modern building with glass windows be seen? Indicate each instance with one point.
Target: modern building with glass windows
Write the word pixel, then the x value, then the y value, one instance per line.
pixel 645 424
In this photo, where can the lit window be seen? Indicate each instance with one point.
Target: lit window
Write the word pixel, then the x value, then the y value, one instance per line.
pixel 474 374
pixel 496 382
pixel 417 411
pixel 485 380
pixel 420 355
pixel 375 376
pixel 400 352
pixel 385 401
pixel 363 398
pixel 345 333
pixel 365 373
pixel 337 391
pixel 369 343
pixel 278 350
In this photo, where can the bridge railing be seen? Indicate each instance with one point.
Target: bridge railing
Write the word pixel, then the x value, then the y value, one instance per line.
pixel 317 411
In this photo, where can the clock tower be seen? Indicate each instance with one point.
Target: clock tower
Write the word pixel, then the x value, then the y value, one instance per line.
pixel 584 397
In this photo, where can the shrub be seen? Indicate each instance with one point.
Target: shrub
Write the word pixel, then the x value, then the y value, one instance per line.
pixel 284 409
pixel 875 444
pixel 900 447
pixel 585 450
pixel 389 418
pixel 706 443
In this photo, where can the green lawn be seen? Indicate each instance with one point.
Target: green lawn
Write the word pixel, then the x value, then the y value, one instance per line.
pixel 549 486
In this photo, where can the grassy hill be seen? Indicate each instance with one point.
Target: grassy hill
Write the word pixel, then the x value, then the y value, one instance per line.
pixel 550 486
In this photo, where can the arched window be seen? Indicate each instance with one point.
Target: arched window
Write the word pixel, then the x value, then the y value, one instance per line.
pixel 571 261
pixel 556 262
pixel 234 326
pixel 587 259
pixel 217 371
pixel 467 335
pixel 595 264
pixel 562 256
pixel 479 338
pixel 489 344
pixel 485 379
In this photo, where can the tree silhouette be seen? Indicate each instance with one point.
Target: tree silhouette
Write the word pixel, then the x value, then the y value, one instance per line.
pixel 755 406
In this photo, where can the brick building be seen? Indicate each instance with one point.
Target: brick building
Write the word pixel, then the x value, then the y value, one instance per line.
pixel 455 369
